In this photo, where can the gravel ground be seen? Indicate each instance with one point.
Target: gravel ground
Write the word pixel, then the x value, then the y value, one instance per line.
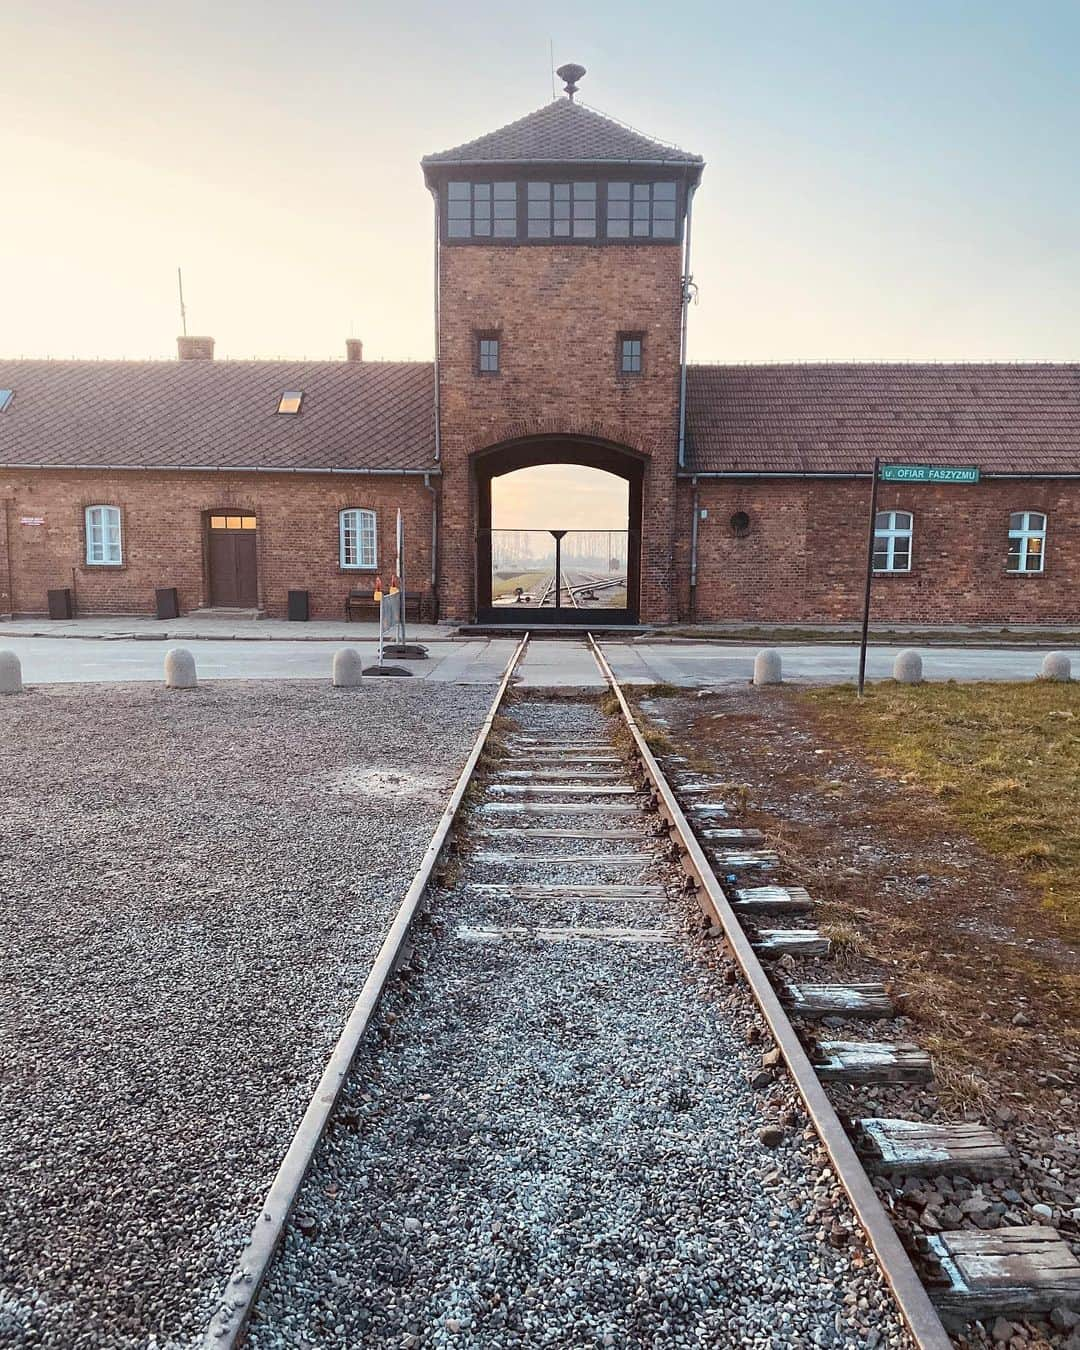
pixel 558 1144
pixel 193 886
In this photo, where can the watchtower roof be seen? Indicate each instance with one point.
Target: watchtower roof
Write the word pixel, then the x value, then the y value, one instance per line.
pixel 564 132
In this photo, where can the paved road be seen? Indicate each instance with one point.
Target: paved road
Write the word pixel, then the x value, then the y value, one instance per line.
pixel 548 664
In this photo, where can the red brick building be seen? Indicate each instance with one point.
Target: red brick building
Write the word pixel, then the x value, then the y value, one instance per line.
pixel 563 245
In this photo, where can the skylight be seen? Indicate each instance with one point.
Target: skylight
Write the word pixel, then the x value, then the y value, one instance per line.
pixel 290 401
pixel 6 395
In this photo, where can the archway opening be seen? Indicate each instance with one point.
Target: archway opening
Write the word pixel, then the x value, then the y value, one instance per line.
pixel 559 539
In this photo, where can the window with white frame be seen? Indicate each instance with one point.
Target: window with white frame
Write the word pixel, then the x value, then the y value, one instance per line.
pixel 357 536
pixel 1027 541
pixel 104 547
pixel 892 541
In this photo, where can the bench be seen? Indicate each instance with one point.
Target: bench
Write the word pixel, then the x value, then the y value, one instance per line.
pixel 362 604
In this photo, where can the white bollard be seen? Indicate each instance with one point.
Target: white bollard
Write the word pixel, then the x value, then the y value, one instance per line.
pixel 10 674
pixel 907 668
pixel 767 667
pixel 1056 666
pixel 180 669
pixel 348 669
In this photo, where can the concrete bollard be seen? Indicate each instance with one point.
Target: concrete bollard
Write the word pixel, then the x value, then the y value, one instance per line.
pixel 180 669
pixel 348 669
pixel 767 667
pixel 10 674
pixel 907 668
pixel 1056 666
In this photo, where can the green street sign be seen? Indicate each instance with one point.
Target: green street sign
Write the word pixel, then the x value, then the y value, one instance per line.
pixel 926 473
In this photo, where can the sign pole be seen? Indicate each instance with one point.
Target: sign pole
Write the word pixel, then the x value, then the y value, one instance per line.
pixel 869 578
pixel 400 542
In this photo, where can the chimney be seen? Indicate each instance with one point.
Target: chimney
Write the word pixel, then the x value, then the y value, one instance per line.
pixel 354 349
pixel 195 348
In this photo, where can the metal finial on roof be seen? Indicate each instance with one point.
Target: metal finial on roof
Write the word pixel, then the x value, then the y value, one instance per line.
pixel 571 74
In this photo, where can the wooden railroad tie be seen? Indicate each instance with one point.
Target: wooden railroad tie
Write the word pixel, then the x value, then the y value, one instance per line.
pixel 752 900
pixel 733 836
pixel 927 1148
pixel 563 790
pixel 745 860
pixel 872 1062
pixel 774 942
pixel 601 891
pixel 979 1274
pixel 838 1000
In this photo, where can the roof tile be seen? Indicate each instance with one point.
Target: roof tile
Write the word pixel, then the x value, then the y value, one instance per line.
pixel 563 132
pixel 218 414
pixel 834 418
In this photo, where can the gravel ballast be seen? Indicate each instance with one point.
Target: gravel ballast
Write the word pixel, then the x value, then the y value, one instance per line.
pixel 193 887
pixel 556 1143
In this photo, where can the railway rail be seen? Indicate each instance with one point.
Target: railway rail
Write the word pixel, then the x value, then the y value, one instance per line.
pixel 581 805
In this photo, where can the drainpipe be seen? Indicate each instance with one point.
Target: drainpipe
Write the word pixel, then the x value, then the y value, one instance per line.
pixel 693 550
pixel 686 292
pixel 434 539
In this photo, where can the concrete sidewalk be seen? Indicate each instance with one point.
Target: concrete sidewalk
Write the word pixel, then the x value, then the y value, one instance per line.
pixel 213 628
pixel 548 664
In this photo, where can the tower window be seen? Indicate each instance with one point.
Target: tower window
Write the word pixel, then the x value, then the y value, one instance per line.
pixel 1027 541
pixel 562 210
pixel 487 354
pixel 630 352
pixel 481 210
pixel 641 210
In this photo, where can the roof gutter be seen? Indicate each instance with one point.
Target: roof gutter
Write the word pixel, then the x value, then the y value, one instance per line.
pixel 215 468
pixel 841 474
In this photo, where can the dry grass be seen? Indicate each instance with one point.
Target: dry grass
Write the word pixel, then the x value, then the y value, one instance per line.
pixel 1003 759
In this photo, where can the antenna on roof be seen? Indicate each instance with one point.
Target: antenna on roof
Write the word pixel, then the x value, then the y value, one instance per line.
pixel 183 311
pixel 571 74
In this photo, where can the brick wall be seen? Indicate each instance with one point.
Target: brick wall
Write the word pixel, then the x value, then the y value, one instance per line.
pixel 163 528
pixel 558 311
pixel 804 557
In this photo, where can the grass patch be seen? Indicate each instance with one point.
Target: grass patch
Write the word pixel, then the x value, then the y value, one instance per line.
pixel 1002 759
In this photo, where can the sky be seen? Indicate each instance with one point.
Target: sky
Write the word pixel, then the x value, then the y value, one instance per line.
pixel 886 179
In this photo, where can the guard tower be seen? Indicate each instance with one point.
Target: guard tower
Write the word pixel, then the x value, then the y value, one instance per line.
pixel 563 267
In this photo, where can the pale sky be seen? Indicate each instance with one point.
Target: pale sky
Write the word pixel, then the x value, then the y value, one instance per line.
pixel 559 497
pixel 887 180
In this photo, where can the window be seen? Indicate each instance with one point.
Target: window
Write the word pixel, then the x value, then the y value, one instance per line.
pixel 562 211
pixel 6 395
pixel 481 210
pixel 644 210
pixel 357 539
pixel 1027 541
pixel 892 541
pixel 630 345
pixel 103 547
pixel 290 401
pixel 487 354
pixel 233 522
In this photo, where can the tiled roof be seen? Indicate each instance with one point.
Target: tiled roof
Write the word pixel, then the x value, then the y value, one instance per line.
pixel 836 418
pixel 218 414
pixel 563 132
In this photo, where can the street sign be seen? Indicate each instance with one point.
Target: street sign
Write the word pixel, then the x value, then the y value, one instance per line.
pixel 927 473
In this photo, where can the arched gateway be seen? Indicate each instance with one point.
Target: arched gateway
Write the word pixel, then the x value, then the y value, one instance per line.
pixel 554 573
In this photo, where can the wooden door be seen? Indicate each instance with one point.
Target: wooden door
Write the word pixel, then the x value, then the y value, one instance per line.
pixel 233 561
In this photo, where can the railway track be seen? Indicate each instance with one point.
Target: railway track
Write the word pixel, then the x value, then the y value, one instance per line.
pixel 525 1134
